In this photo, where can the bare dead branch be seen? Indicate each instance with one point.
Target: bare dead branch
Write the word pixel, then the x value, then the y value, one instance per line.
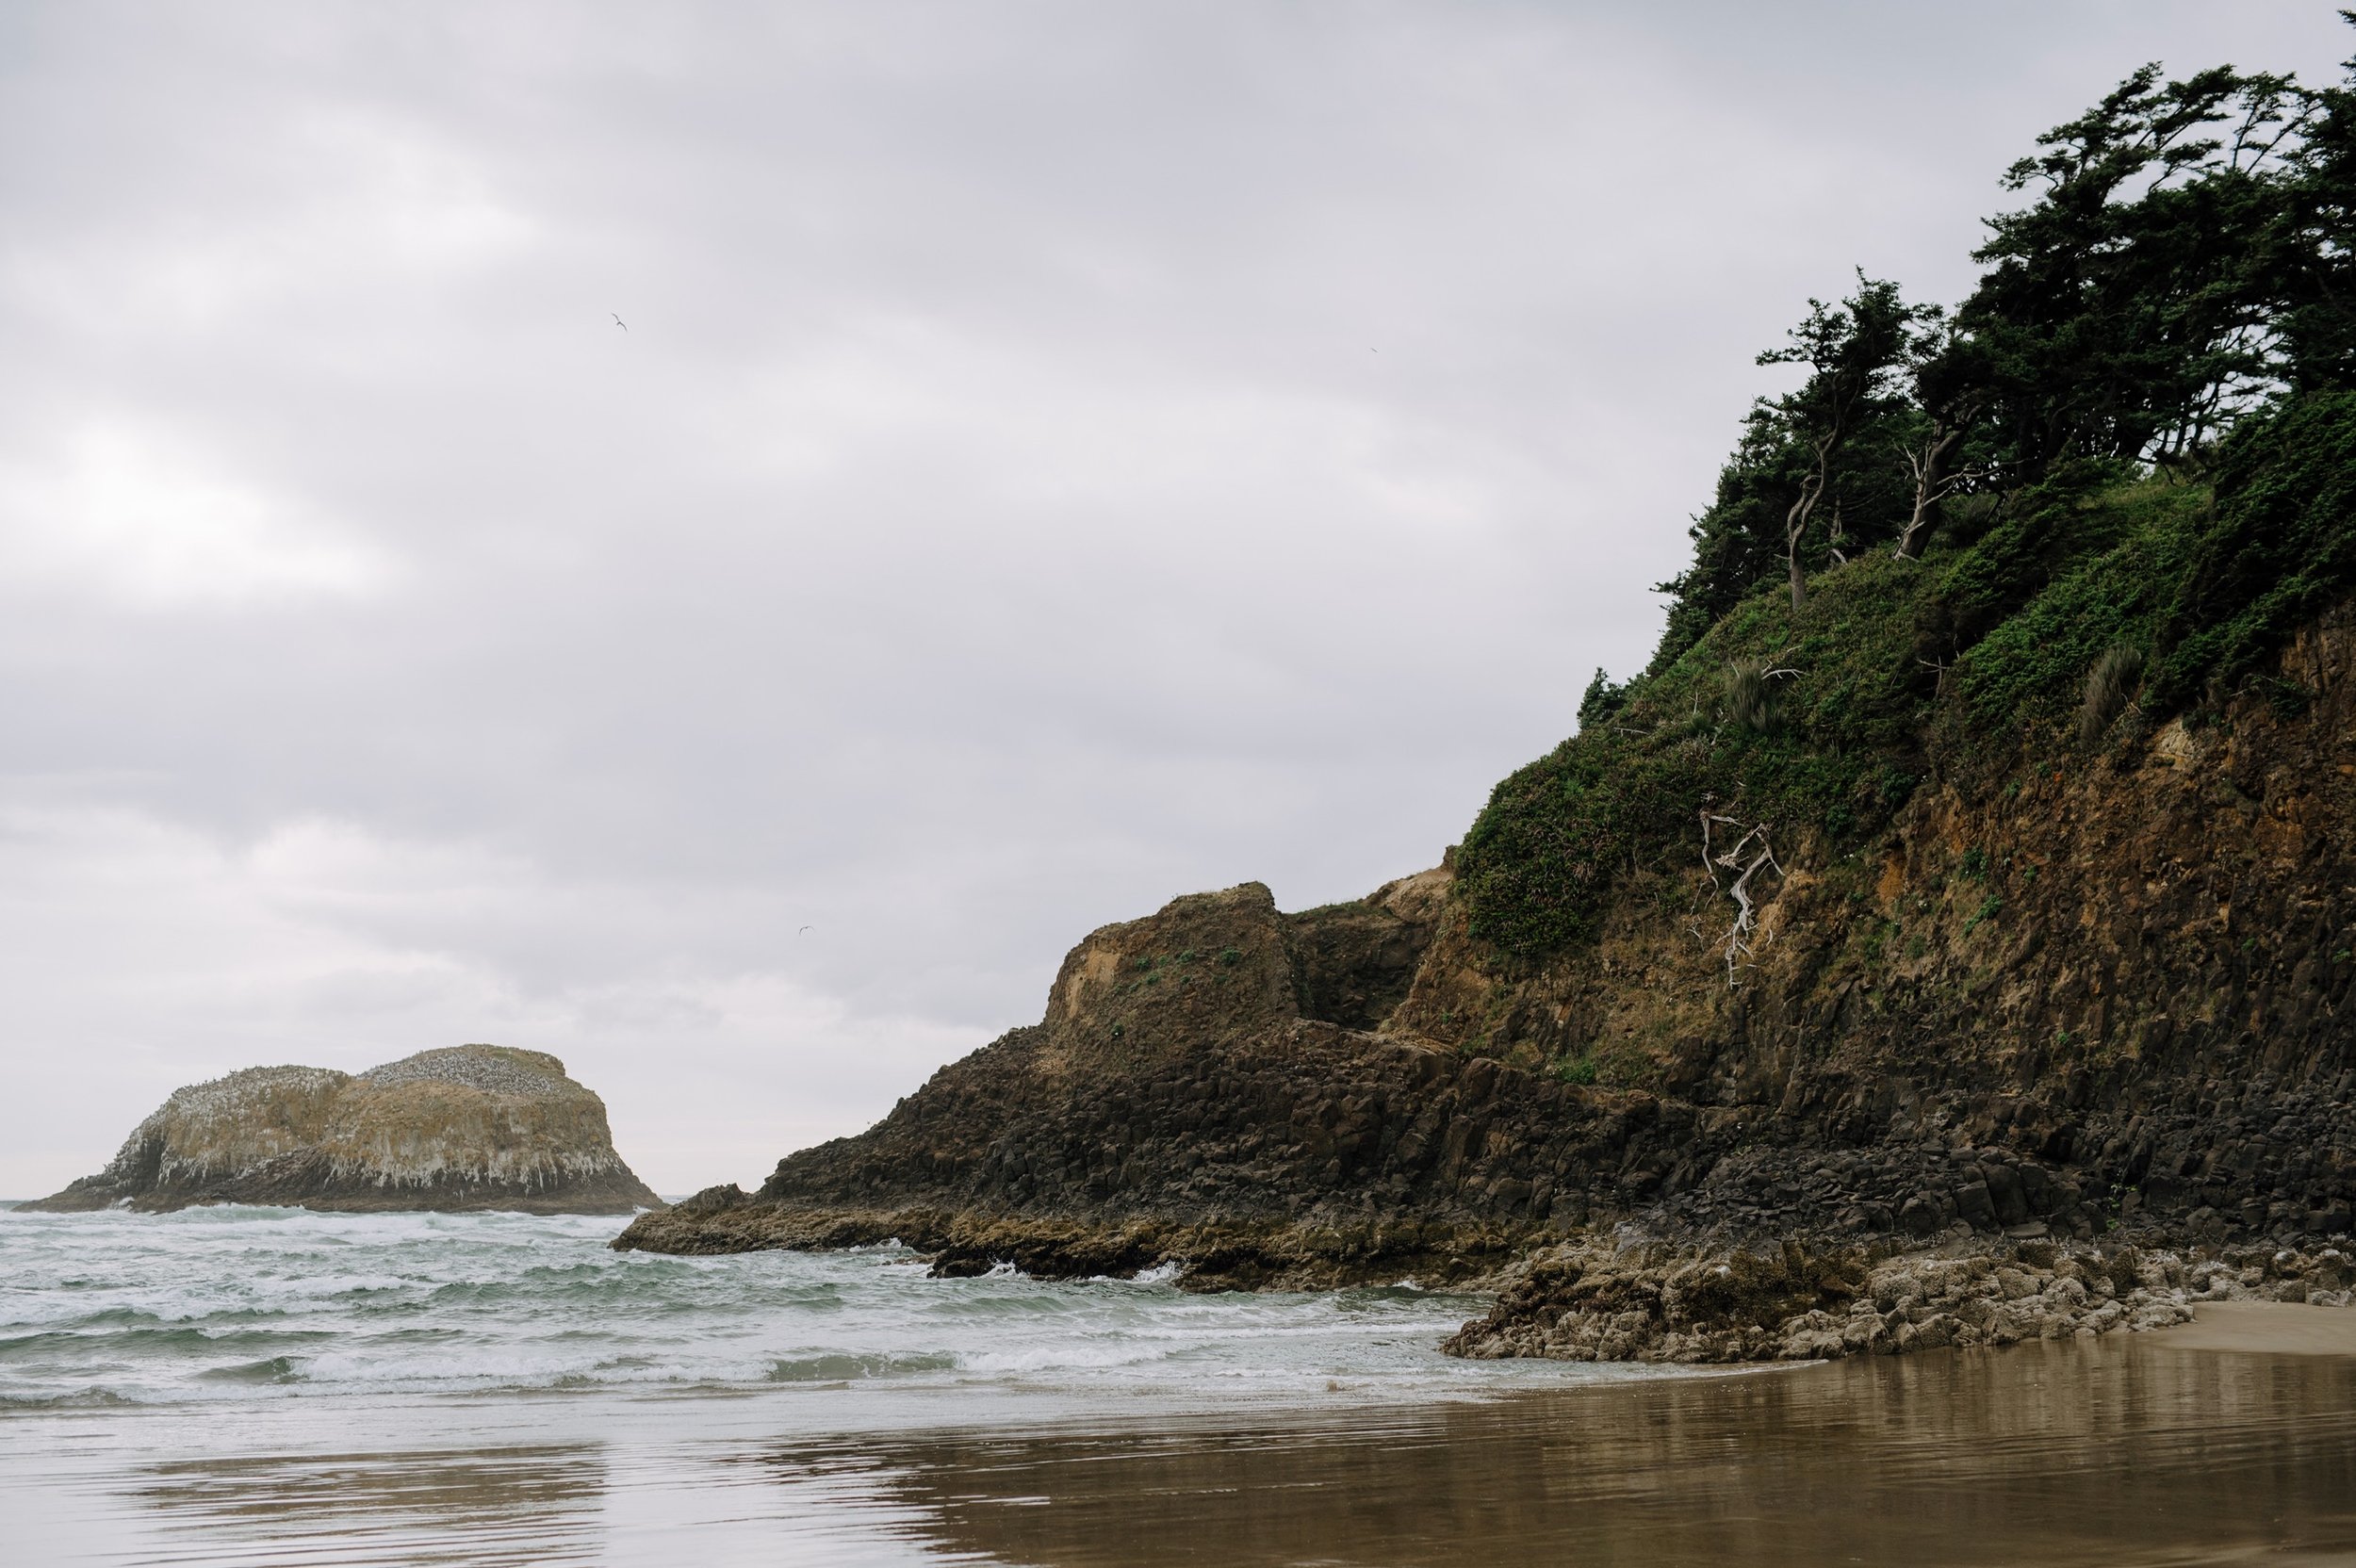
pixel 1740 944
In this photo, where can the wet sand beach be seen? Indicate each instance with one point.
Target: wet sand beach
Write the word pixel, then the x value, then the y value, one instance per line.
pixel 2231 1440
pixel 2268 1328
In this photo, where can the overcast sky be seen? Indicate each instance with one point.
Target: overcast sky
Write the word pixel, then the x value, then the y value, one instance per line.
pixel 1059 456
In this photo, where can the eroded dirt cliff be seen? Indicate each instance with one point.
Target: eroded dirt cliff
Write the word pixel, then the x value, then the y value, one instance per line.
pixel 2109 986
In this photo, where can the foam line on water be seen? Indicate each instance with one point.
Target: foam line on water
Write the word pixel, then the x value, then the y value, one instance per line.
pixel 228 1305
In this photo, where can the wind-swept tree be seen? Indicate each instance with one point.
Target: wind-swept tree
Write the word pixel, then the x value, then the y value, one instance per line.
pixel 1854 352
pixel 2314 249
pixel 1947 376
pixel 2126 313
pixel 1822 448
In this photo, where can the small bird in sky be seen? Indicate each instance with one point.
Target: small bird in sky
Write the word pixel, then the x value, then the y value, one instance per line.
pixel 805 930
pixel 618 321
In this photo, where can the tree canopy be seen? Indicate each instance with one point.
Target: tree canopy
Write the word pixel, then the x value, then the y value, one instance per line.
pixel 2186 259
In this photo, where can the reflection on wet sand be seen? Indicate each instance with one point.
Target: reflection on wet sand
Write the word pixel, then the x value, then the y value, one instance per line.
pixel 485 1509
pixel 2079 1453
pixel 2088 1452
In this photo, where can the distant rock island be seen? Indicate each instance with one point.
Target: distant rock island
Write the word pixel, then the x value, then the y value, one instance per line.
pixel 471 1127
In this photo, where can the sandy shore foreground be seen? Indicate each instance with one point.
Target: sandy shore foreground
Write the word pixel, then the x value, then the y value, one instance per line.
pixel 2265 1328
pixel 2229 1439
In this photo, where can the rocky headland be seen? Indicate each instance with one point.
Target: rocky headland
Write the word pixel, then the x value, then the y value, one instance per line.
pixel 1950 935
pixel 2108 1107
pixel 471 1127
pixel 2070 1026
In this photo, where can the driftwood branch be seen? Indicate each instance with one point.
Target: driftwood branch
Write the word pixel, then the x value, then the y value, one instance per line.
pixel 1739 943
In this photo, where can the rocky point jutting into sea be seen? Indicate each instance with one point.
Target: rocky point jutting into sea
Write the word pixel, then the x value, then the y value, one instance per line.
pixel 1963 981
pixel 471 1127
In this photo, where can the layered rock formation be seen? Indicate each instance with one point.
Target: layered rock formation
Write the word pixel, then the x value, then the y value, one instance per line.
pixel 472 1127
pixel 2077 1007
pixel 1998 903
pixel 1595 1302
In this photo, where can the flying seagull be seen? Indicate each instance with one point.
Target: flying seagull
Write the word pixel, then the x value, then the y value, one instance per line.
pixel 618 321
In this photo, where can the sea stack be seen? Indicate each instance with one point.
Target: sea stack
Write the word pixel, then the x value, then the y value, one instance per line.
pixel 471 1127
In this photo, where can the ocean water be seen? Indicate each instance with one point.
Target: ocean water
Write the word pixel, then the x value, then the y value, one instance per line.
pixel 272 1389
pixel 226 1306
pixel 234 1386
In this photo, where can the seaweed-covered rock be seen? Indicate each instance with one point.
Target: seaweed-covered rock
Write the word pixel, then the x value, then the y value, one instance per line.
pixel 471 1127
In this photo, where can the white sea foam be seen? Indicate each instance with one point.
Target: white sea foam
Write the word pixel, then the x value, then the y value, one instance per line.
pixel 231 1305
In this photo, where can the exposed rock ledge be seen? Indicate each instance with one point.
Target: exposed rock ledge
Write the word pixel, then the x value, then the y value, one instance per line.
pixel 2145 1049
pixel 1591 1301
pixel 471 1127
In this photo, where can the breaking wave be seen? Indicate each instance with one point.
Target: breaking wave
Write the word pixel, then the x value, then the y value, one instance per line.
pixel 249 1303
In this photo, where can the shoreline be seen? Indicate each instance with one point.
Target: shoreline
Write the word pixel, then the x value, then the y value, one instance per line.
pixel 1615 1296
pixel 1605 1299
pixel 2050 1455
pixel 2265 1327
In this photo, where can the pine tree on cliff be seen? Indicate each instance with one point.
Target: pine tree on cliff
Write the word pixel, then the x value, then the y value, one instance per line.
pixel 1853 352
pixel 2130 313
pixel 2189 256
pixel 2313 250
pixel 1826 448
pixel 1944 444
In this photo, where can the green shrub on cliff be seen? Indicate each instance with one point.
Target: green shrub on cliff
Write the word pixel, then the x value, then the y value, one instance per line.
pixel 2138 438
pixel 1954 663
pixel 1540 865
pixel 2204 581
pixel 2283 550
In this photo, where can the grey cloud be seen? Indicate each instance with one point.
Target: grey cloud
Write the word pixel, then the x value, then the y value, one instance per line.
pixel 1061 456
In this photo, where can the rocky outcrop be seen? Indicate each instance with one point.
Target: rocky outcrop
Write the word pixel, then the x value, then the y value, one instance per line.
pixel 1198 1067
pixel 2071 1007
pixel 2109 991
pixel 1591 1302
pixel 1232 1254
pixel 472 1127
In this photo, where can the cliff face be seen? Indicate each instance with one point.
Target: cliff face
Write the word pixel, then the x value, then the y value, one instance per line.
pixel 2128 976
pixel 2003 897
pixel 472 1127
pixel 2093 996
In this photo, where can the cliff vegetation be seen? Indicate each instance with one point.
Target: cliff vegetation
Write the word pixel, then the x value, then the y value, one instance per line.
pixel 1972 865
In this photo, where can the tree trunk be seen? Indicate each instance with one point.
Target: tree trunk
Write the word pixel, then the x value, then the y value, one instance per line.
pixel 1929 486
pixel 1795 520
pixel 1918 532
